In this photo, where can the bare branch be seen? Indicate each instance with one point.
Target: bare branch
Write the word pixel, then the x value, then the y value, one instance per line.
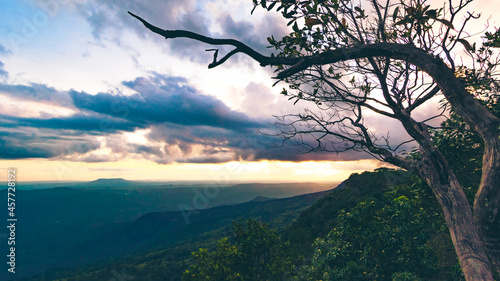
pixel 240 47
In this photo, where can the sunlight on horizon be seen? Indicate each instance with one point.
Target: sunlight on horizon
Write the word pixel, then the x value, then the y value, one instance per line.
pixel 242 171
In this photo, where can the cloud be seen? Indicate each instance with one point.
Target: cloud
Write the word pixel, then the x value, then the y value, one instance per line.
pixel 242 30
pixel 95 125
pixel 162 102
pixel 4 50
pixel 181 125
pixel 2 71
pixel 37 93
pixel 220 145
pixel 254 33
pixel 108 19
pixel 38 144
pixel 207 160
pixel 162 99
pixel 112 14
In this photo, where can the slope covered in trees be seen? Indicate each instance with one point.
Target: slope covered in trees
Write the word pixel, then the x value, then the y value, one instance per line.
pixel 383 225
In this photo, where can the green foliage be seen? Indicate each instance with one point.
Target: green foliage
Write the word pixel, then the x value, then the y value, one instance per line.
pixel 320 218
pixel 493 39
pixel 457 136
pixel 384 224
pixel 218 265
pixel 255 253
pixel 377 241
pixel 404 276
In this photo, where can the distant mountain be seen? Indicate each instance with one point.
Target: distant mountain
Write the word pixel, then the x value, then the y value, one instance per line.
pixel 116 183
pixel 261 198
pixel 37 185
pixel 110 181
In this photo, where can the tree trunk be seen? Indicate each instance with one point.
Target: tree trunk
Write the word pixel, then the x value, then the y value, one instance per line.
pixel 487 202
pixel 458 214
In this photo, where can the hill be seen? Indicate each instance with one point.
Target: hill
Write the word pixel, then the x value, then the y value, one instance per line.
pixel 112 182
pixel 54 222
pixel 319 219
pixel 162 241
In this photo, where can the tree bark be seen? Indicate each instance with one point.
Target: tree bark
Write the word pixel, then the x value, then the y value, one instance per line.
pixel 486 207
pixel 487 199
pixel 458 214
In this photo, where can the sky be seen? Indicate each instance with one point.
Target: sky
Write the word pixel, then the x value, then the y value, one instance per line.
pixel 87 92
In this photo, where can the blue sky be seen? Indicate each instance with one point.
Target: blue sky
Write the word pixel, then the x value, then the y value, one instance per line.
pixel 87 92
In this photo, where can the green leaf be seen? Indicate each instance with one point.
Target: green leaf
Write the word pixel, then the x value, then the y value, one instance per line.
pixel 271 6
pixel 466 44
pixel 445 22
pixel 395 14
pixel 432 13
pixel 405 20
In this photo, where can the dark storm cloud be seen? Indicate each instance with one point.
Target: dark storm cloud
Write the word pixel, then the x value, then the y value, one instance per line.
pixel 37 93
pixel 37 144
pixel 165 99
pixel 89 124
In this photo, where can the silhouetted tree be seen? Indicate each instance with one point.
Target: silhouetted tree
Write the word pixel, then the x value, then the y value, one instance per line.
pixel 390 58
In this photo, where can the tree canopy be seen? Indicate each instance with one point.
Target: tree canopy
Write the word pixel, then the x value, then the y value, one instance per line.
pixel 254 252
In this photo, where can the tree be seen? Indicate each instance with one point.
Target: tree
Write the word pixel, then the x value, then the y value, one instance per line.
pixel 376 241
pixel 389 58
pixel 256 253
